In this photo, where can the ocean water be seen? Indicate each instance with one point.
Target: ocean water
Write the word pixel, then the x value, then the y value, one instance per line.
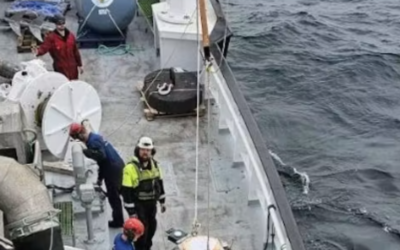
pixel 322 78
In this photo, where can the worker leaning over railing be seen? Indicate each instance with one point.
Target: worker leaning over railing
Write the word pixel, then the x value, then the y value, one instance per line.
pixel 142 187
pixel 110 168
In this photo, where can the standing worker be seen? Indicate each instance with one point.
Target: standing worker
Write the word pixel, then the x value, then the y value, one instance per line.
pixel 61 44
pixel 110 168
pixel 133 230
pixel 142 187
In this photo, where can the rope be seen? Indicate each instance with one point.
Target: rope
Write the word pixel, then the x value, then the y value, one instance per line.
pixel 196 191
pixel 85 21
pixel 51 238
pixel 208 154
pixel 115 23
pixel 88 16
pixel 149 24
pixel 161 222
pixel 123 49
pixel 131 111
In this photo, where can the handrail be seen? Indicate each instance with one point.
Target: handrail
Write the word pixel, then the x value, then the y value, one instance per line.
pixel 244 148
pixel 258 162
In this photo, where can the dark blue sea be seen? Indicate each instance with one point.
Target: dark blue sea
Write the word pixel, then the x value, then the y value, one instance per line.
pixel 322 78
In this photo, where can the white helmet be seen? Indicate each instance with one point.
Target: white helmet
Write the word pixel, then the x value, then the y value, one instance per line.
pixel 145 143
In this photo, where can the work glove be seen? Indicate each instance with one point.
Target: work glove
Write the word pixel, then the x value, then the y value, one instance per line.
pixel 99 183
pixel 163 208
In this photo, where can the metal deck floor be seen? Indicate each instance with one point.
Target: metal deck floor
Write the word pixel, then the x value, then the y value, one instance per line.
pixel 123 123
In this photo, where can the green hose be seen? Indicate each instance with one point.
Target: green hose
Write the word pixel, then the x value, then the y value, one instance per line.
pixel 122 49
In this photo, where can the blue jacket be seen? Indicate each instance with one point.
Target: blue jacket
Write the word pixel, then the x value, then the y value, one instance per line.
pixel 121 244
pixel 108 159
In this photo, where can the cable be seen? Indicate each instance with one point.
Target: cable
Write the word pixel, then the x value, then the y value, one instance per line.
pixel 150 25
pixel 207 70
pixel 161 222
pixel 85 21
pixel 109 15
pixel 196 191
pixel 208 155
pixel 51 238
pixel 115 23
pixel 51 234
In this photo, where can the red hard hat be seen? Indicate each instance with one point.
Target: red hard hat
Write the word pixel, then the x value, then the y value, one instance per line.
pixel 75 128
pixel 134 225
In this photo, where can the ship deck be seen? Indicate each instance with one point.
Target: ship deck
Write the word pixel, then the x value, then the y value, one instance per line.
pixel 115 79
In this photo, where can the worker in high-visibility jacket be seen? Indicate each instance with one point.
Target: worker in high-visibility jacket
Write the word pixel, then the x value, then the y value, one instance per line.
pixel 142 188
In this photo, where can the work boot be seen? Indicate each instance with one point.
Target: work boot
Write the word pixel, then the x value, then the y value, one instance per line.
pixel 114 224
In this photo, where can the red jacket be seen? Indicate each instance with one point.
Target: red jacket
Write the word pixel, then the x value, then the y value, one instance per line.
pixel 64 51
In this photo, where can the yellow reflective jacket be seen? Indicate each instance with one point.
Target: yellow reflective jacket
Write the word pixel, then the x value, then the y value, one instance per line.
pixel 145 182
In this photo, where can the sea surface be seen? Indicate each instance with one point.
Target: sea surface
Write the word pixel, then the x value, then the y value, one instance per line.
pixel 322 78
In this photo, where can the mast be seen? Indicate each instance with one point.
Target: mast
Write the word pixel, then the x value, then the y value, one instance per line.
pixel 204 28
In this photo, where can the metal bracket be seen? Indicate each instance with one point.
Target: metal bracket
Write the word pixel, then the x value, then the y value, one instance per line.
pixel 28 225
pixel 165 88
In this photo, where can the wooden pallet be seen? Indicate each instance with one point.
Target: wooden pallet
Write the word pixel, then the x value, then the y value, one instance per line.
pixel 150 113
pixel 26 42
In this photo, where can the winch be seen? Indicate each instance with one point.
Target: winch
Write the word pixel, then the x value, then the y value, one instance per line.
pixel 46 102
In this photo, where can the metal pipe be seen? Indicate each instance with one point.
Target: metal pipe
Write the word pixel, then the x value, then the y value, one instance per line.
pixel 89 222
pixel 78 162
pixel 27 207
pixel 87 198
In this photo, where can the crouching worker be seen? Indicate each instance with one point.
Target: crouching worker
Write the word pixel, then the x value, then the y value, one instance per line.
pixel 110 168
pixel 142 188
pixel 133 229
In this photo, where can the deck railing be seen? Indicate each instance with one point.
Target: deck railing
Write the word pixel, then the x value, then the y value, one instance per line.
pixel 250 149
